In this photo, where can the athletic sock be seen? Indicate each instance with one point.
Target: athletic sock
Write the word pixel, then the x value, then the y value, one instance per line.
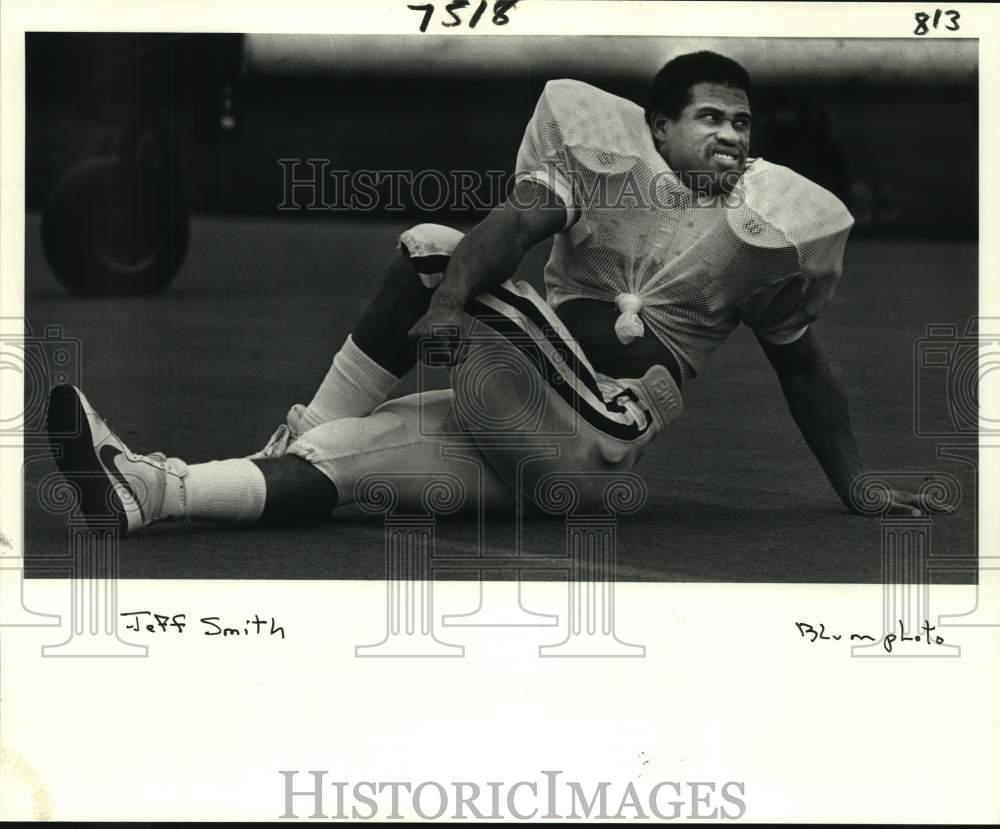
pixel 353 387
pixel 232 491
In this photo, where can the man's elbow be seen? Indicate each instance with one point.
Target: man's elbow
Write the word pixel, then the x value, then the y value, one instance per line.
pixel 533 213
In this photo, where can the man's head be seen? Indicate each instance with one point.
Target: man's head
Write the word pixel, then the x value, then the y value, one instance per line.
pixel 698 111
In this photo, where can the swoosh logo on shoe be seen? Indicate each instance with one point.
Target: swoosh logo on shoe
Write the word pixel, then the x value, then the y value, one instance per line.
pixel 107 455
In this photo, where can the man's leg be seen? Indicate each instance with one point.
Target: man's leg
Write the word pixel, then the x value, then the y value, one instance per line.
pixel 377 353
pixel 371 362
pixel 268 486
pixel 410 446
pixel 404 443
pixel 296 491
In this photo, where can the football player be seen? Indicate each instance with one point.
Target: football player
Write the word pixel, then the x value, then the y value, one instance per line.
pixel 667 236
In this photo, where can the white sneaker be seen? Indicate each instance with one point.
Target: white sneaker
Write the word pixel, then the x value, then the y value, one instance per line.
pixel 284 435
pixel 113 482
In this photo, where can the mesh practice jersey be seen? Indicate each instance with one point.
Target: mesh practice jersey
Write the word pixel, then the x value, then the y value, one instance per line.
pixel 768 254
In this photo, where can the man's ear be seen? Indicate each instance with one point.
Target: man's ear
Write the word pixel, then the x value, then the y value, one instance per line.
pixel 659 126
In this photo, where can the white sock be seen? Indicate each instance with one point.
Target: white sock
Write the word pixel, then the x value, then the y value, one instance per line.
pixel 353 387
pixel 232 491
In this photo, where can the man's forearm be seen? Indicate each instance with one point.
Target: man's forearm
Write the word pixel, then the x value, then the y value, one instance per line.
pixel 819 406
pixel 490 252
pixel 487 255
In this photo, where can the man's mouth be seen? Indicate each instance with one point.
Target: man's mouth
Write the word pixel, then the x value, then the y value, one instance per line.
pixel 725 157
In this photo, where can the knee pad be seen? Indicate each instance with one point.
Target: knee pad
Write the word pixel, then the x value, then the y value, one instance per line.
pixel 429 247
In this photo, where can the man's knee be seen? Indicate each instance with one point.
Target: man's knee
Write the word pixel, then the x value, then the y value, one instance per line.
pixel 429 247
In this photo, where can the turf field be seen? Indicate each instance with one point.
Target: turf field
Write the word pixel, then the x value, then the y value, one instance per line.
pixel 209 368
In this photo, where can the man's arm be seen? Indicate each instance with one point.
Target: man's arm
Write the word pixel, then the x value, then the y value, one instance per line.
pixel 819 407
pixel 818 404
pixel 488 255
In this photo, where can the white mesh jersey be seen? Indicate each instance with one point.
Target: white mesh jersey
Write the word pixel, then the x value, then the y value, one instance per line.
pixel 769 254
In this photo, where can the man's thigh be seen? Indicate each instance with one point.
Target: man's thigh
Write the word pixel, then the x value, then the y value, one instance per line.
pixel 410 446
pixel 530 400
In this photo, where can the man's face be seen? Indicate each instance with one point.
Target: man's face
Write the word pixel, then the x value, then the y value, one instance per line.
pixel 707 144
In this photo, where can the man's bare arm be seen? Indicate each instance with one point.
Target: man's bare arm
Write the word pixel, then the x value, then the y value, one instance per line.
pixel 488 255
pixel 818 403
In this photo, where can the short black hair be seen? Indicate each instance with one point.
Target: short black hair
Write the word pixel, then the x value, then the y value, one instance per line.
pixel 670 90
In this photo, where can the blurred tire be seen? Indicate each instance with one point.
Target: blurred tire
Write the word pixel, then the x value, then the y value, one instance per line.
pixel 116 224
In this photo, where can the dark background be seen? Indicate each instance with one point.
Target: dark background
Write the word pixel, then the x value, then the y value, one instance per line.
pixel 900 150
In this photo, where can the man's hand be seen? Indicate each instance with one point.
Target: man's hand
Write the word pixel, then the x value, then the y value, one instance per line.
pixel 440 337
pixel 914 504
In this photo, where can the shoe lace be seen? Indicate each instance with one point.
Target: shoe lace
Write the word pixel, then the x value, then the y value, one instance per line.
pixel 278 443
pixel 168 464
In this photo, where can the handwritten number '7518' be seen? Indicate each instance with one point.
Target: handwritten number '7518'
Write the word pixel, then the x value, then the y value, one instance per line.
pixel 500 9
